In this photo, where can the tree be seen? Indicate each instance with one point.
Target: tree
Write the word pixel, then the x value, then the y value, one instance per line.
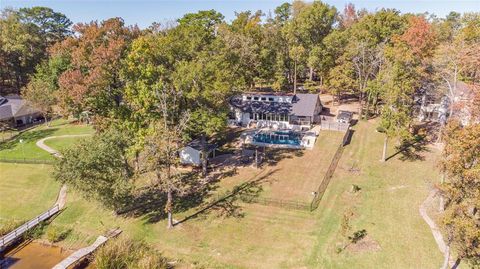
pixel 92 82
pixel 296 53
pixel 53 26
pixel 98 168
pixel 349 16
pixel 21 49
pixel 310 24
pixel 461 164
pixel 448 66
pixel 366 41
pixel 399 79
pixel 367 62
pixel 163 144
pixel 41 92
pixel 419 37
pixel 25 36
pixel 207 77
pixel 341 81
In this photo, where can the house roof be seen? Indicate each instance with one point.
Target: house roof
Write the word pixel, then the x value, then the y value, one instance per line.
pixel 303 104
pixel 197 144
pixel 14 106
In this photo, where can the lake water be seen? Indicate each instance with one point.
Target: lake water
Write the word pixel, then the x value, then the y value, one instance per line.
pixel 36 256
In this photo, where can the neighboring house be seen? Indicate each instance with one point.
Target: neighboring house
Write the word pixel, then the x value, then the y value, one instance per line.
pixel 275 110
pixel 192 153
pixel 463 103
pixel 459 105
pixel 16 112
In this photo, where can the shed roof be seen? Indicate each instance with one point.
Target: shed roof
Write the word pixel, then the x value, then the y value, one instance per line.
pixel 197 144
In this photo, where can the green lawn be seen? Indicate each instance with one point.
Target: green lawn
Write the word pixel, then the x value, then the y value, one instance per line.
pixel 386 207
pixel 27 149
pixel 238 235
pixel 62 143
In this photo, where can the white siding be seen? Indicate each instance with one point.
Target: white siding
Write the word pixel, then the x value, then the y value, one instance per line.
pixel 190 155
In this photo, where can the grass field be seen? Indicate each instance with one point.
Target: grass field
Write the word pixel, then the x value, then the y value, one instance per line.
pixel 239 235
pixel 62 143
pixel 27 149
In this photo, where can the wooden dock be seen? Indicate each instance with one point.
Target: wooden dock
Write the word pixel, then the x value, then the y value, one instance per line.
pixel 80 254
pixel 18 232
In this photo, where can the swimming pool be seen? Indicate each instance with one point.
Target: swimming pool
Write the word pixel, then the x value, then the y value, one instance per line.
pixel 278 137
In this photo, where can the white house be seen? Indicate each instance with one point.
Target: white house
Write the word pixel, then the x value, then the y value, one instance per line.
pixel 275 110
pixel 192 153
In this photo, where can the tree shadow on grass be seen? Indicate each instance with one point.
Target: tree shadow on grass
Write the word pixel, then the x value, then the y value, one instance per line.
pixel 273 156
pixel 149 202
pixel 31 136
pixel 226 205
pixel 412 149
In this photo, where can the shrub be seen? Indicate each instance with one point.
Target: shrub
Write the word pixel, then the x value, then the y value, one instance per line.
pixel 56 234
pixel 9 225
pixel 125 253
pixel 36 232
pixel 357 236
pixel 355 188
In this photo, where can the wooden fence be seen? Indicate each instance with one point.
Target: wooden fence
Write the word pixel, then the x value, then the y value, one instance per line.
pixel 331 169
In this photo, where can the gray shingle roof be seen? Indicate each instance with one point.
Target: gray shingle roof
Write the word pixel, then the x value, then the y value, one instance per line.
pixel 303 104
pixel 14 106
pixel 197 144
pixel 5 112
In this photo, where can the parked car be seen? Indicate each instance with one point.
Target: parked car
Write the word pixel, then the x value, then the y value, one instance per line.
pixel 344 116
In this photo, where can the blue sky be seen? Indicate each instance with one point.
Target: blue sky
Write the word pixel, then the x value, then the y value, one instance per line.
pixel 144 12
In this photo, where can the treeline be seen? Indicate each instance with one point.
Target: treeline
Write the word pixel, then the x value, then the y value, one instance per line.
pixel 149 91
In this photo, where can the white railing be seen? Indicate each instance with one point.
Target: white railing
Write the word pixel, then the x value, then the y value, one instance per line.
pixel 13 235
pixel 334 126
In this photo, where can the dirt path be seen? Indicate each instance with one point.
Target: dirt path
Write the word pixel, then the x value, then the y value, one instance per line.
pixel 437 235
pixel 41 143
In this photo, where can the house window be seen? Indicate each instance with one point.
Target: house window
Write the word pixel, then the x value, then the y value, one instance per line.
pixel 249 98
pixel 255 98
pixel 264 98
pixel 270 99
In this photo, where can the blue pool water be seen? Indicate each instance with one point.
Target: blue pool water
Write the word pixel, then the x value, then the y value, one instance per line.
pixel 277 137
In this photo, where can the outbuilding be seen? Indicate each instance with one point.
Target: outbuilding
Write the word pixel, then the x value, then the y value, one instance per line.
pixel 192 153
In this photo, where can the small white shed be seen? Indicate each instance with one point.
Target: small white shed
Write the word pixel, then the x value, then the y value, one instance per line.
pixel 192 153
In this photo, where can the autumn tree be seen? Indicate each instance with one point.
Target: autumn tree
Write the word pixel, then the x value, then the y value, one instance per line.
pixel 349 16
pixel 461 190
pixel 92 82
